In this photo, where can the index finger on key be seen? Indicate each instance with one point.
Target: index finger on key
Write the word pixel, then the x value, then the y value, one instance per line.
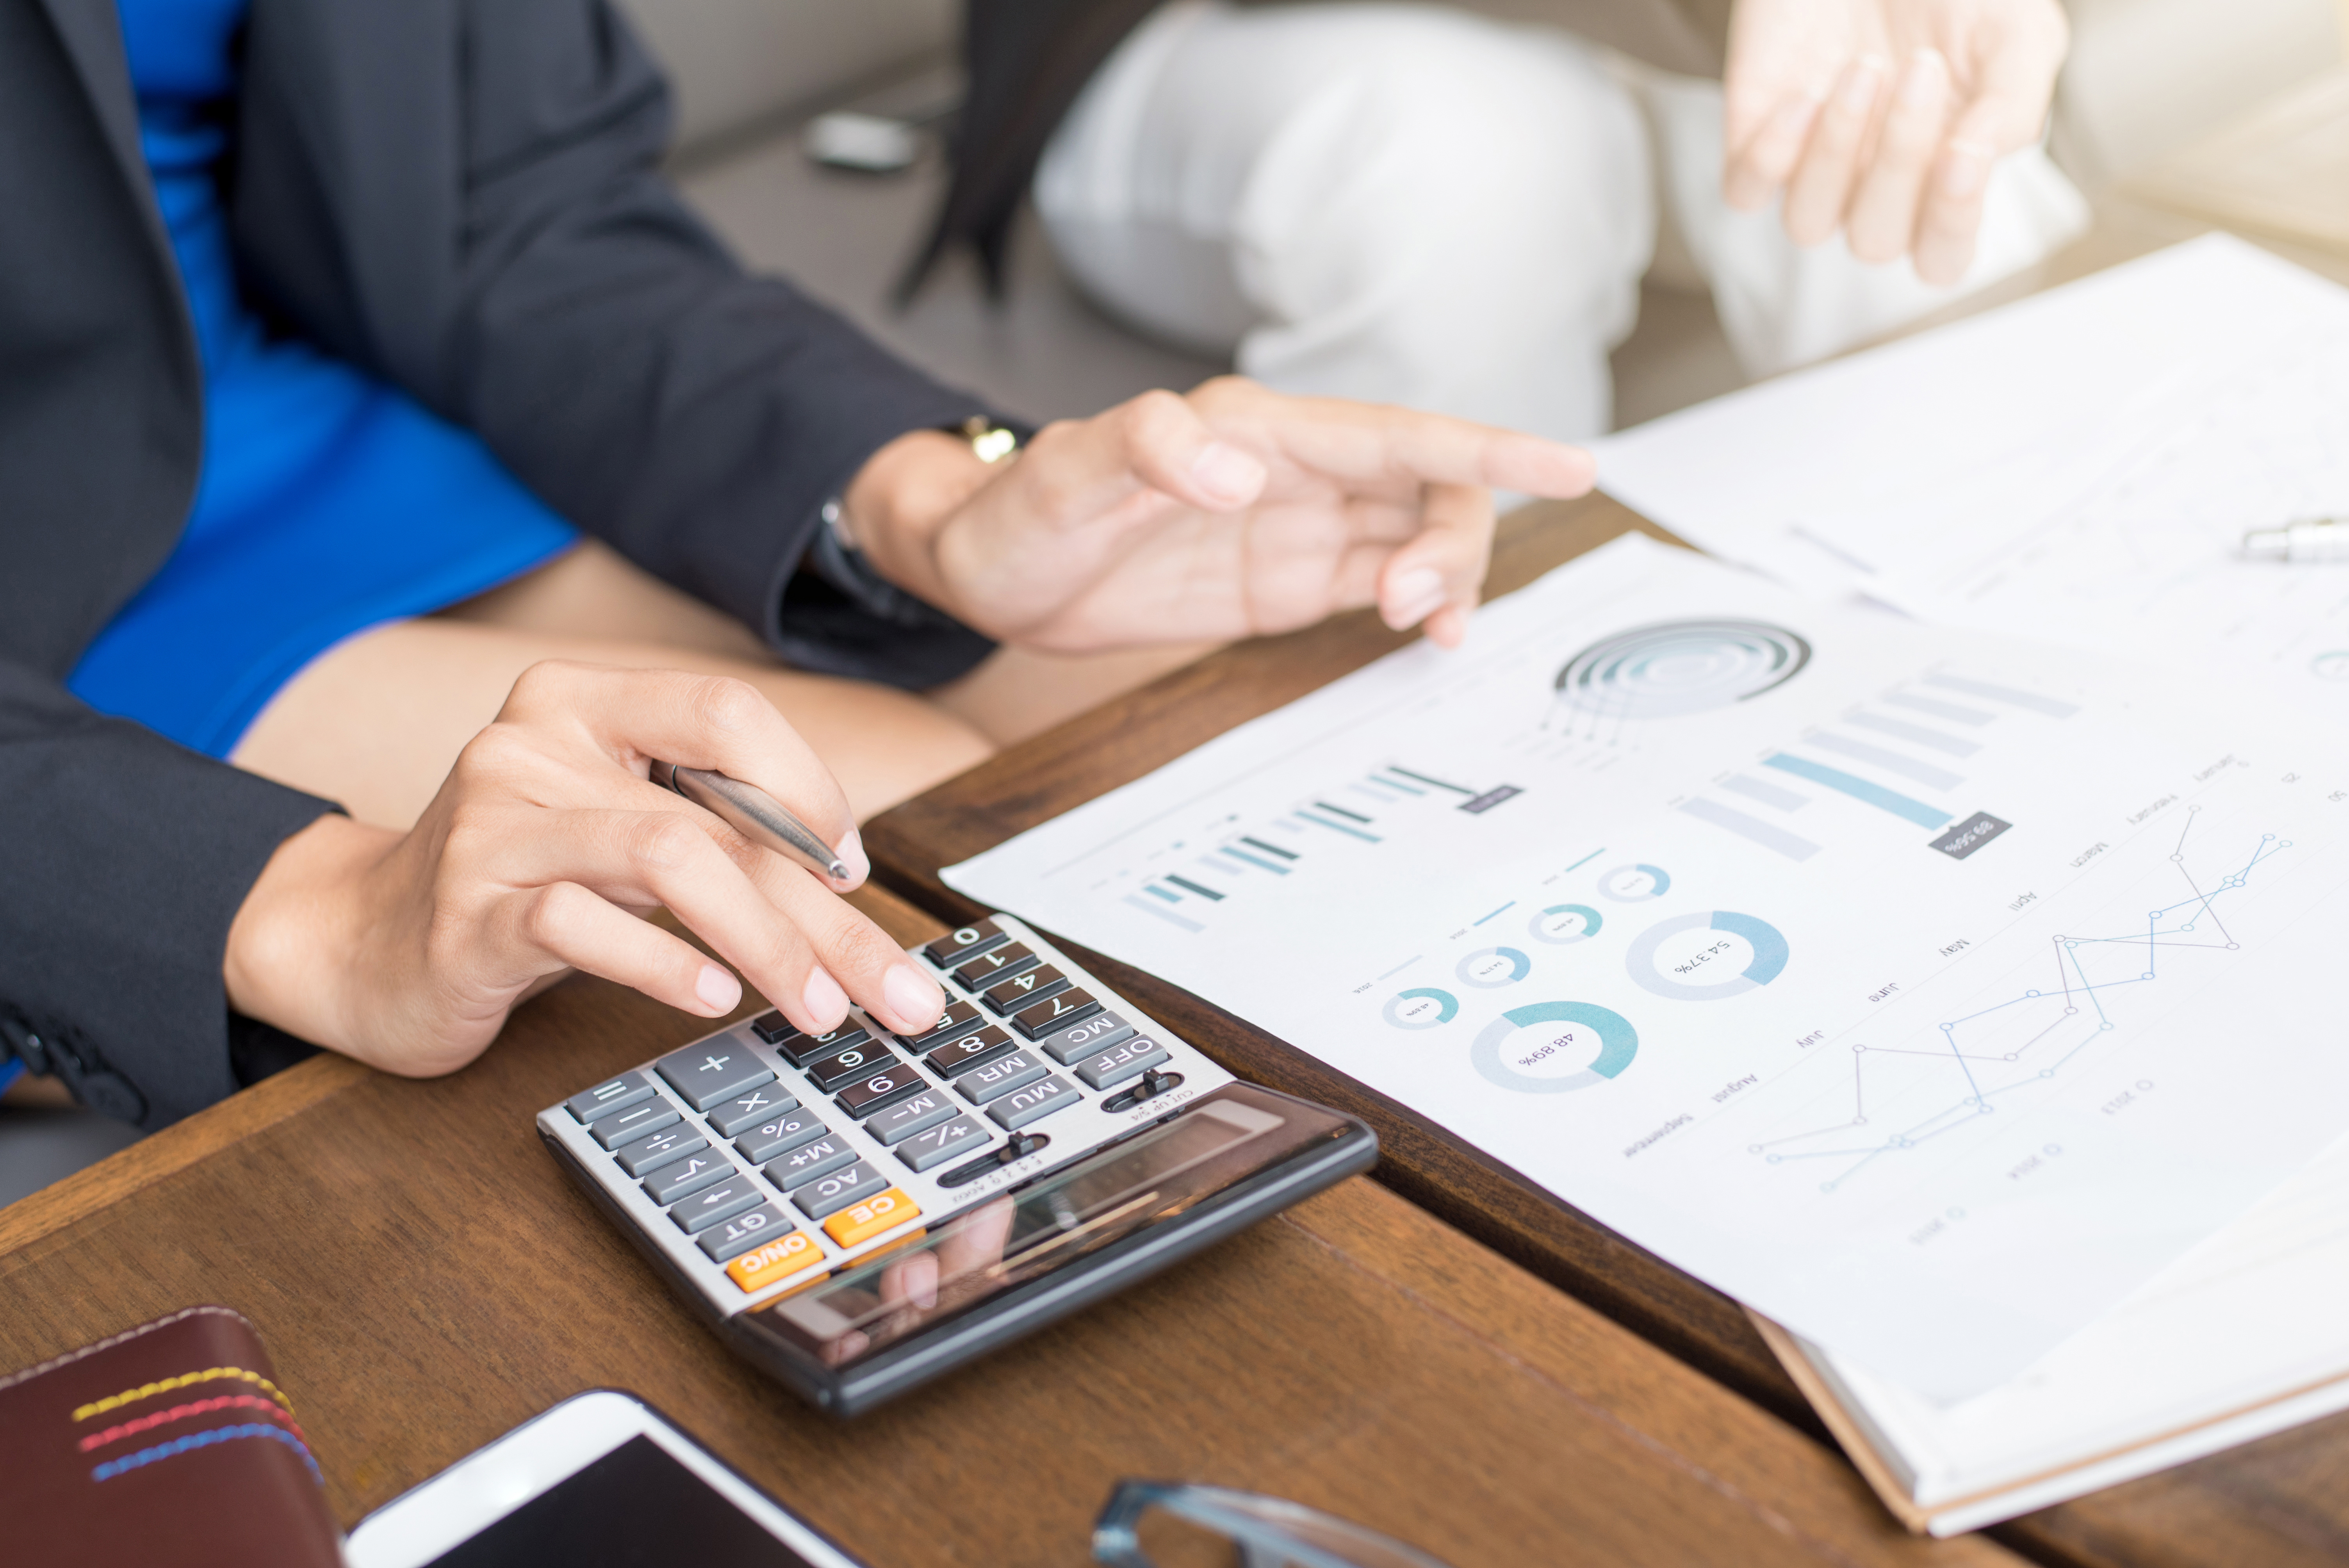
pixel 640 717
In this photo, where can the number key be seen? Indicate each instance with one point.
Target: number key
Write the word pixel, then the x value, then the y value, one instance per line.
pixel 882 1090
pixel 1001 964
pixel 830 1072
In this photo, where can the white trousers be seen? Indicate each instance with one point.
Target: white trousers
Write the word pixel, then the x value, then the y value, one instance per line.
pixel 1413 204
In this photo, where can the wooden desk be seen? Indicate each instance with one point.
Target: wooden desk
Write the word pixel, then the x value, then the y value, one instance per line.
pixel 2284 1500
pixel 426 1278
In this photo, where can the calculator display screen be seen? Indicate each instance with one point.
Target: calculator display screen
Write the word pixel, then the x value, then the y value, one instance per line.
pixel 634 1505
pixel 1023 1235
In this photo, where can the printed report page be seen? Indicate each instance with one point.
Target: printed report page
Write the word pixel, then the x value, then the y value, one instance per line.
pixel 1926 991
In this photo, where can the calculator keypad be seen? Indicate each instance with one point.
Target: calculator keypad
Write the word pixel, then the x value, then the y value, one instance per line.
pixel 943 1114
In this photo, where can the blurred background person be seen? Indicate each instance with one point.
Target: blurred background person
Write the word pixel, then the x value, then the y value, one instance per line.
pixel 1421 205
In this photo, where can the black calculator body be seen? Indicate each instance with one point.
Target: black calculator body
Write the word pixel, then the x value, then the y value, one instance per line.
pixel 859 1212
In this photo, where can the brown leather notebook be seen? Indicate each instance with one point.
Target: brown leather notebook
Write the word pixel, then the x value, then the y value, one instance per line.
pixel 169 1446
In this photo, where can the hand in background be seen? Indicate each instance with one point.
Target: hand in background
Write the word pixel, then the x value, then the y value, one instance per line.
pixel 543 847
pixel 1233 512
pixel 1883 118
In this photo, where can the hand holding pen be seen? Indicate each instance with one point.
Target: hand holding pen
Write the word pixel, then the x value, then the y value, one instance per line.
pixel 596 797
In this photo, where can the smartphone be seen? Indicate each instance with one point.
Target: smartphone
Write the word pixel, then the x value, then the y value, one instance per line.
pixel 601 1481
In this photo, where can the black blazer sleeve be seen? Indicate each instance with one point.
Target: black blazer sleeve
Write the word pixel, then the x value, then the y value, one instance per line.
pixel 125 857
pixel 464 196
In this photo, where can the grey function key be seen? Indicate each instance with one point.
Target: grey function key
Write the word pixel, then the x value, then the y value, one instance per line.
pixel 1078 1040
pixel 779 1135
pixel 837 1191
pixel 810 1161
pixel 618 1094
pixel 712 1071
pixel 690 1174
pixel 1037 1101
pixel 900 1121
pixel 936 1145
pixel 1127 1059
pixel 988 1080
pixel 763 1104
pixel 635 1122
pixel 713 1204
pixel 729 1240
pixel 659 1149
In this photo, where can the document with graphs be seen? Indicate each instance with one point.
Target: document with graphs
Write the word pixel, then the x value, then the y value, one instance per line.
pixel 1925 990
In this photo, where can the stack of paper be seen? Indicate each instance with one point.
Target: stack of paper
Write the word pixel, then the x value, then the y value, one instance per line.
pixel 1959 991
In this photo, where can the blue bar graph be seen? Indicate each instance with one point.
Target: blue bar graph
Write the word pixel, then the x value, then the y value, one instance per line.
pixel 1859 789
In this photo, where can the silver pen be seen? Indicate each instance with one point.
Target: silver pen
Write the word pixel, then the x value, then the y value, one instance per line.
pixel 2310 540
pixel 753 813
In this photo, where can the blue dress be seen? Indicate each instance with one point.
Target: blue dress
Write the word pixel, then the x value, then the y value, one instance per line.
pixel 328 502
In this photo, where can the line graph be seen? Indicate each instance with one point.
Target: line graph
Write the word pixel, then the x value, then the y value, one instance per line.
pixel 2005 1047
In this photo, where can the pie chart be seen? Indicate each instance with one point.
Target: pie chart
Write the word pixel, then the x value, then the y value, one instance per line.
pixel 1554 1048
pixel 1421 1008
pixel 1694 971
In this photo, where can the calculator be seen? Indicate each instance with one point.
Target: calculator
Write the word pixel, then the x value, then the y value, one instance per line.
pixel 859 1211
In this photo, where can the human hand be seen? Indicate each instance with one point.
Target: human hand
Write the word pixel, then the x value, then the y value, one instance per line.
pixel 1233 512
pixel 1883 118
pixel 543 847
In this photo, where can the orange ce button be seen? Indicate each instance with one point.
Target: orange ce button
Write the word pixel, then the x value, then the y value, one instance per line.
pixel 865 1221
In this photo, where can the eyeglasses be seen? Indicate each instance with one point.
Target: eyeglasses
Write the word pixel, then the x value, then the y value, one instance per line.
pixel 1265 1532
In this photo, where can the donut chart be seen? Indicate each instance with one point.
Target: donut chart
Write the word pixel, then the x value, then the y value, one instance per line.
pixel 1769 960
pixel 1680 667
pixel 1635 882
pixel 1524 1037
pixel 1421 1008
pixel 1562 925
pixel 1490 968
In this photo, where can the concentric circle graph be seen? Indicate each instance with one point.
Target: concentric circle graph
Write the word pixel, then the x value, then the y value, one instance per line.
pixel 1490 968
pixel 1524 1047
pixel 1680 667
pixel 1635 884
pixel 1562 925
pixel 1767 942
pixel 1421 1008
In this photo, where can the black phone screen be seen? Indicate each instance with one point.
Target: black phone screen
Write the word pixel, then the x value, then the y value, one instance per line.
pixel 634 1507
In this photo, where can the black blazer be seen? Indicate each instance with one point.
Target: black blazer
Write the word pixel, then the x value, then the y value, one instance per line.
pixel 461 197
pixel 1028 60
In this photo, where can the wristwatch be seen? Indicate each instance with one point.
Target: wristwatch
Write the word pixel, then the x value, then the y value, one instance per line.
pixel 990 443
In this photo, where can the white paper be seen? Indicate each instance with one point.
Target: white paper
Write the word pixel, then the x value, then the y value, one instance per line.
pixel 2243 1336
pixel 1880 1125
pixel 2080 467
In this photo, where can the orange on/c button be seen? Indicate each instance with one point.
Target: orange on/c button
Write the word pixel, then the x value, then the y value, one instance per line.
pixel 870 1218
pixel 779 1259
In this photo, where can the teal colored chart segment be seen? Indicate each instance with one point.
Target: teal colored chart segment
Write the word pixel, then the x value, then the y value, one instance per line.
pixel 1515 1040
pixel 1421 1008
pixel 1562 925
pixel 1767 943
